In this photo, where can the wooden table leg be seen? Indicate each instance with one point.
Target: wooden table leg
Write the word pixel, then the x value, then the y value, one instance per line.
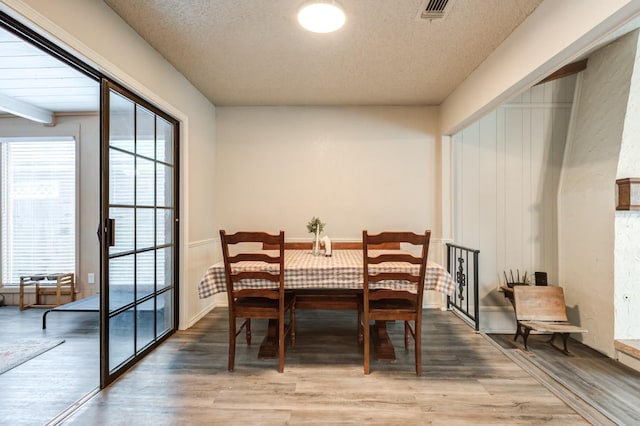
pixel 382 343
pixel 269 345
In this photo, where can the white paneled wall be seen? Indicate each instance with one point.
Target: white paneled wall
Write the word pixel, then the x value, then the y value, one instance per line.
pixel 506 171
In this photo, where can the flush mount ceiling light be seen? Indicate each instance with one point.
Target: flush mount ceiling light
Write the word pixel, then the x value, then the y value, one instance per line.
pixel 321 17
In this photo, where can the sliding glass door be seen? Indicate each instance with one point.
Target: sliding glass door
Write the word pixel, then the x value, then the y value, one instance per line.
pixel 138 229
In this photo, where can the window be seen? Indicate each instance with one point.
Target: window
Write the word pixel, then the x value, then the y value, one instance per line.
pixel 37 207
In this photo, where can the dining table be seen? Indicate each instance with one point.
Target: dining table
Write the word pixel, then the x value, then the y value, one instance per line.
pixel 342 271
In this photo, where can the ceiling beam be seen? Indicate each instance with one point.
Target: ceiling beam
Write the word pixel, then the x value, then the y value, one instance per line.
pixel 572 68
pixel 26 110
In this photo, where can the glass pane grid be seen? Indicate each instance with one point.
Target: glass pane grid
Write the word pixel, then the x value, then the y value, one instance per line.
pixel 141 267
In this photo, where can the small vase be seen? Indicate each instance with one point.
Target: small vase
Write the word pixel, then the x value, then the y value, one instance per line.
pixel 316 245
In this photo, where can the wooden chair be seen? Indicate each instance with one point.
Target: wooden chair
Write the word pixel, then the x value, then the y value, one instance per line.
pixel 57 285
pixel 381 304
pixel 542 309
pixel 270 301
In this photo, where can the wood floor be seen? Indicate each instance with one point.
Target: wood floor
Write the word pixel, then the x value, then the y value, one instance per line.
pixel 586 377
pixel 468 378
pixel 37 391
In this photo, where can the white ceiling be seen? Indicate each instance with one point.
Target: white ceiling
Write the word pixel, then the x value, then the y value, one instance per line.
pixel 254 53
pixel 35 83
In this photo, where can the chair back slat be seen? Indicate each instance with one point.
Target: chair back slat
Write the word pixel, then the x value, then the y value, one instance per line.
pixel 391 294
pixel 393 276
pixel 257 292
pixel 395 257
pixel 255 275
pixel 254 257
pixel 395 237
pixel 253 237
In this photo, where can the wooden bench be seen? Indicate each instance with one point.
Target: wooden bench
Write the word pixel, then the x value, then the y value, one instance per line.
pixel 542 309
pixel 57 285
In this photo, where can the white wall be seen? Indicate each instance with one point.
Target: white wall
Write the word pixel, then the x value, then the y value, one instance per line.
pixel 627 223
pixel 505 180
pixel 86 130
pixel 355 168
pixel 91 30
pixel 374 168
pixel 587 191
pixel 626 297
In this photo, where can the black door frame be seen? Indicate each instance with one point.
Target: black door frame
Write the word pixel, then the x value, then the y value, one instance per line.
pixel 106 231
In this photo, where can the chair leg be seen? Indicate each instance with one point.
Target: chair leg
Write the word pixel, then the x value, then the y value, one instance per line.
pixel 37 293
pixel 518 332
pixel 565 338
pixel 232 342
pixel 525 336
pixel 281 342
pixel 418 342
pixel 292 321
pixel 406 335
pixel 58 294
pixel 367 339
pixel 247 330
pixel 360 330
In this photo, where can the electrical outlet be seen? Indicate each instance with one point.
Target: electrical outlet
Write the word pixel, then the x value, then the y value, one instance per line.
pixel 91 278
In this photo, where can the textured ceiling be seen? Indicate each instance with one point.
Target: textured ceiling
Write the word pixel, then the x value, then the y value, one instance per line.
pixel 240 52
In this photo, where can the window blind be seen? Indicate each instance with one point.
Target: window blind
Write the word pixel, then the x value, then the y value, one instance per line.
pixel 37 207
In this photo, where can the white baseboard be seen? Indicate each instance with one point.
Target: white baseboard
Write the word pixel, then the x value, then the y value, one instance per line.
pixel 629 361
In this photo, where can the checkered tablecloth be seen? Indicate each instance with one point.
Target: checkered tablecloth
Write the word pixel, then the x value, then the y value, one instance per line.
pixel 343 270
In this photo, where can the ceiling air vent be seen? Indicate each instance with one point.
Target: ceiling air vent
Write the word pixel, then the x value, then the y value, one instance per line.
pixel 435 9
